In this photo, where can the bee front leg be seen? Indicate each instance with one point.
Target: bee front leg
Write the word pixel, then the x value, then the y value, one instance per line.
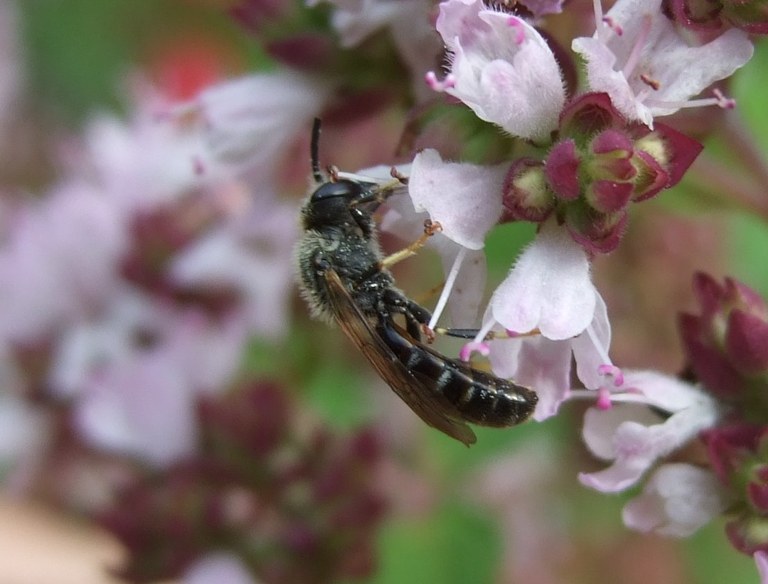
pixel 430 228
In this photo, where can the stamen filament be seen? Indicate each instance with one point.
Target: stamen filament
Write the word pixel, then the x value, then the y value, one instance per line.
pixel 449 282
pixel 637 48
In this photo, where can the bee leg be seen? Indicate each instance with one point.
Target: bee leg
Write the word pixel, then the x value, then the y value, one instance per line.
pixel 415 315
pixel 430 228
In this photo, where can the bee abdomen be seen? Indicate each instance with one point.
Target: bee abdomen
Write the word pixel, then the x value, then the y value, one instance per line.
pixel 485 399
pixel 481 398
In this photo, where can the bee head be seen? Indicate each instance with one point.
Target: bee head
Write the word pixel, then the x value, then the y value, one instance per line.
pixel 333 204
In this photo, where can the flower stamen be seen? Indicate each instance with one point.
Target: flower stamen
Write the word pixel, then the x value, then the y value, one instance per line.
pixel 449 282
pixel 650 81
pixel 637 48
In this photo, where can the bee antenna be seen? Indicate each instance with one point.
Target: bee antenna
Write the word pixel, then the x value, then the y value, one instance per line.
pixel 314 149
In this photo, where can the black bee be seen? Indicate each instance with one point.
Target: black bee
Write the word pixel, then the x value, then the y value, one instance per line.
pixel 344 278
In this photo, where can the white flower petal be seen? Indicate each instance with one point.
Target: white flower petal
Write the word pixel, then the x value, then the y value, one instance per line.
pixel 676 501
pixel 549 288
pixel 464 198
pixel 499 61
pixel 250 121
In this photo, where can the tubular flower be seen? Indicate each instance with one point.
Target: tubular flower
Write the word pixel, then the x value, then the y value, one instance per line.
pixel 647 67
pixel 549 292
pixel 634 437
pixel 498 62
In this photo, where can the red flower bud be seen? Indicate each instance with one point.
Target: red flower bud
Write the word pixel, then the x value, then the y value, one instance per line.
pixel 562 170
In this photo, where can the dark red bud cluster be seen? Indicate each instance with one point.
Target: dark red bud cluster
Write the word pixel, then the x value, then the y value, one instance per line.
pixel 738 454
pixel 709 18
pixel 295 504
pixel 727 344
pixel 599 166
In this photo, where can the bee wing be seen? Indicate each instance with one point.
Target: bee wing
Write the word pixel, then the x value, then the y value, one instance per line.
pixel 430 406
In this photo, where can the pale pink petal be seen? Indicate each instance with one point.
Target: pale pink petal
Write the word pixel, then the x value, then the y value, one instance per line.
pixel 549 288
pixel 636 442
pixel 677 500
pixel 249 122
pixel 590 348
pixel 143 408
pixel 679 70
pixel 464 198
pixel 499 61
pixel 600 426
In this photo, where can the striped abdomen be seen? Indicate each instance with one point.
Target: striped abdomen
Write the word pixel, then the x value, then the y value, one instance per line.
pixel 480 398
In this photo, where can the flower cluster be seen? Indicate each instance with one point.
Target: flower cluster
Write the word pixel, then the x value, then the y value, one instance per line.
pixel 141 280
pixel 263 498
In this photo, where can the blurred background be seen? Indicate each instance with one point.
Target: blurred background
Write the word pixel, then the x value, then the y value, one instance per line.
pixel 168 410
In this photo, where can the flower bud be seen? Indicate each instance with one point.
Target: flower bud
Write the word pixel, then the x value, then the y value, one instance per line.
pixel 562 170
pixel 526 195
pixel 727 345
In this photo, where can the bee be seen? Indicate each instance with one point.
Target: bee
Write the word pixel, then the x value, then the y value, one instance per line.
pixel 344 278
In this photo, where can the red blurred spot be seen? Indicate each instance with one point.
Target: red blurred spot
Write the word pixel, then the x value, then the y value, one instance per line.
pixel 188 65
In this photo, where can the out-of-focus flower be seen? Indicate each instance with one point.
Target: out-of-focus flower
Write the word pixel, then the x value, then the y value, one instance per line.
pixel 535 539
pixel 498 62
pixel 647 67
pixel 677 500
pixel 57 263
pixel 280 500
pixel 250 122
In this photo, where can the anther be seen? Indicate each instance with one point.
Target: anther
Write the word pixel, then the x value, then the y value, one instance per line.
pixel 650 82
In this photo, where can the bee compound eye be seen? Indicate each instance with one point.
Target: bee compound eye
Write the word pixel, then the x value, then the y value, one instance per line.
pixel 342 188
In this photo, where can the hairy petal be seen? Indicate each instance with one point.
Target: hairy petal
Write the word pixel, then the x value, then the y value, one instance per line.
pixel 549 288
pixel 464 198
pixel 499 61
pixel 676 501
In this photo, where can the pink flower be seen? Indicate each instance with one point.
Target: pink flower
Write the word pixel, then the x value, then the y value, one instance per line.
pixel 645 64
pixel 676 501
pixel 252 258
pixel 549 292
pixel 634 437
pixel 251 121
pixel 57 261
pixel 499 64
pixel 464 198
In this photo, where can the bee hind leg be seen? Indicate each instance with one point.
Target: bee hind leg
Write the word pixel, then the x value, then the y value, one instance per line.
pixel 416 316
